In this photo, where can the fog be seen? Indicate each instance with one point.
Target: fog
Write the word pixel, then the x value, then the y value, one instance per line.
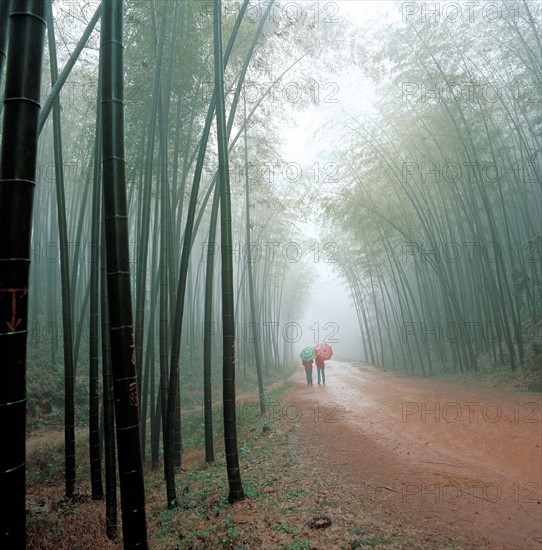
pixel 330 317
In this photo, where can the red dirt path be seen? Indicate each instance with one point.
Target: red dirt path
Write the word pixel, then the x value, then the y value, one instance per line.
pixel 449 457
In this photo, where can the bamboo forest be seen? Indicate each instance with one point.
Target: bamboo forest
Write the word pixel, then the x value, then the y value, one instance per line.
pixel 271 274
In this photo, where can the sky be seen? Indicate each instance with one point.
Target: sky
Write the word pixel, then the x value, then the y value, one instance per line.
pixel 329 314
pixel 359 11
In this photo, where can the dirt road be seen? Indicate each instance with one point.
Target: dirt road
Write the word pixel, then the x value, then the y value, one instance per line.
pixel 453 458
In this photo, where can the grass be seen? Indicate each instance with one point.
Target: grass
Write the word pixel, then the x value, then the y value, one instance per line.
pixel 202 488
pixel 291 503
pixel 271 516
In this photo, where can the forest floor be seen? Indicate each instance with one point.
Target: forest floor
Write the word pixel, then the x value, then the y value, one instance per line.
pixel 373 459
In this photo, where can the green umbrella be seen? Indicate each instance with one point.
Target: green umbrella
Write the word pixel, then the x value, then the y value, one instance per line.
pixel 307 354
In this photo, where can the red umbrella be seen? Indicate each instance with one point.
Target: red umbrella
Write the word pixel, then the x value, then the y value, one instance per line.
pixel 323 351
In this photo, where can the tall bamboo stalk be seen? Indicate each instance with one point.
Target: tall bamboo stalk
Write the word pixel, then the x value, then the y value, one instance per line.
pixel 118 279
pixel 97 244
pixel 69 371
pixel 17 173
pixel 228 317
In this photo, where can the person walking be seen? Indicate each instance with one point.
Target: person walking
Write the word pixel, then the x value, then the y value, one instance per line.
pixel 321 369
pixel 308 371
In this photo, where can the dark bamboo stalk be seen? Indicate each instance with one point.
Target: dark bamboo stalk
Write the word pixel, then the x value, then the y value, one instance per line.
pixel 228 317
pixel 208 330
pixel 17 181
pixel 111 522
pixel 95 272
pixel 254 318
pixel 118 279
pixel 69 372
